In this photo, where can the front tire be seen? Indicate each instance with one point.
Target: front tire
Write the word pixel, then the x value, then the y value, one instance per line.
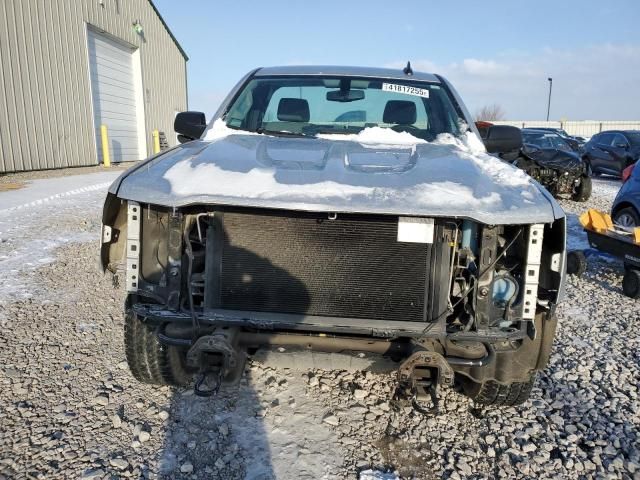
pixel 496 394
pixel 583 191
pixel 149 360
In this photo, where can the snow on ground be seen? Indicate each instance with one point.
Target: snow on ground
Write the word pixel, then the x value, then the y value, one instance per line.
pixel 72 409
pixel 37 219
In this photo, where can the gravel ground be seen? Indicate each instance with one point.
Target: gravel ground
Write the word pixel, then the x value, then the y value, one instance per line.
pixel 69 407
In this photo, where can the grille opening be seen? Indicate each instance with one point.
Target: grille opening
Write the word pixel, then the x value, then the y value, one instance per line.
pixel 302 263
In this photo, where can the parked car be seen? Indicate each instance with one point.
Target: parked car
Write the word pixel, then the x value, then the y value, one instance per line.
pixel 548 158
pixel 612 151
pixel 626 206
pixel 276 228
pixel 576 143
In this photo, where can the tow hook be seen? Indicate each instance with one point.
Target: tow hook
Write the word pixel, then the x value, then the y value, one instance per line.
pixel 218 360
pixel 419 377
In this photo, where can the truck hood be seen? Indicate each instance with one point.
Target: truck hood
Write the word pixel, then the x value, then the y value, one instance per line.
pixel 372 172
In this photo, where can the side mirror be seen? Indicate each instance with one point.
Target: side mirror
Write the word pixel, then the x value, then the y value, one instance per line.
pixel 622 145
pixel 502 138
pixel 189 125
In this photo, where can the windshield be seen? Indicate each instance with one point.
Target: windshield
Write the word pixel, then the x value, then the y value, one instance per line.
pixel 310 105
pixel 545 140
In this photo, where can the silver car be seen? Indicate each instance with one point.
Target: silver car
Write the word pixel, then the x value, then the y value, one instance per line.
pixel 333 216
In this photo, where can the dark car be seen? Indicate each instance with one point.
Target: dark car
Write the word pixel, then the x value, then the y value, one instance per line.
pixel 549 159
pixel 626 206
pixel 612 151
pixel 576 143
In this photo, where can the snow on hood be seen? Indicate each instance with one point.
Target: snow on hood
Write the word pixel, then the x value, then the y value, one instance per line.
pixel 375 171
pixel 187 179
pixel 386 138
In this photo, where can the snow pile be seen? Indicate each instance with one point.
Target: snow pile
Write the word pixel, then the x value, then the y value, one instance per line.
pixel 452 194
pixel 75 191
pixel 377 136
pixel 472 148
pixel 377 475
pixel 220 130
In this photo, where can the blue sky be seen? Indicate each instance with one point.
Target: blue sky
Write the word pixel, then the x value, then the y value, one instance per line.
pixel 493 51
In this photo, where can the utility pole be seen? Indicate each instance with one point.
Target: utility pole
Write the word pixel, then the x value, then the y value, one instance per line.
pixel 549 102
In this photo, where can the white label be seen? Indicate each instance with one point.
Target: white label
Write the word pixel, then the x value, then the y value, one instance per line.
pixel 415 230
pixel 393 87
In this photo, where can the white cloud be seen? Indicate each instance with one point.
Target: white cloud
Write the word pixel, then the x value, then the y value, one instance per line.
pixel 596 82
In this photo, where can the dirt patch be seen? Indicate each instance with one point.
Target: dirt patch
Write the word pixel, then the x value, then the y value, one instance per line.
pixel 5 187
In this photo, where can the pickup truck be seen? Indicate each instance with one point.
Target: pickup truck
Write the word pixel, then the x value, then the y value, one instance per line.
pixel 343 211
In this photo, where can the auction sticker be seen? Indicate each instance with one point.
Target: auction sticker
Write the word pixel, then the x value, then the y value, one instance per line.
pixel 415 230
pixel 394 87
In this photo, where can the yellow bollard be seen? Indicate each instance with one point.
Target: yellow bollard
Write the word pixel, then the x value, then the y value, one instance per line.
pixel 156 141
pixel 106 158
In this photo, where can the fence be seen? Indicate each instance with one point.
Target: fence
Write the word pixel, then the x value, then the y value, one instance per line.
pixel 584 128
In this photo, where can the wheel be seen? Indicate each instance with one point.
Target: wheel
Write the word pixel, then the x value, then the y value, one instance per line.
pixel 627 217
pixel 497 394
pixel 149 360
pixel 583 191
pixel 631 283
pixel 576 263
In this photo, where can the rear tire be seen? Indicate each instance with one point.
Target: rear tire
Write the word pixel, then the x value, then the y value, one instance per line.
pixel 631 283
pixel 497 394
pixel 576 263
pixel 149 360
pixel 583 191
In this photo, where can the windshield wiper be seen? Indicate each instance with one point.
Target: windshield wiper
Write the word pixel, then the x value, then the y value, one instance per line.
pixel 281 133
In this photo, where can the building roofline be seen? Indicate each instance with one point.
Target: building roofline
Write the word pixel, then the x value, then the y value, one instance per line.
pixel 155 9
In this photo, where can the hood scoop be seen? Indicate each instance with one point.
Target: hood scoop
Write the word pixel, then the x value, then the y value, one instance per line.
pixel 296 154
pixel 381 160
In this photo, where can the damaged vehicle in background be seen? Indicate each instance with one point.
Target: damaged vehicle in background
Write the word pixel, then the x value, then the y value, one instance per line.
pixel 613 151
pixel 576 143
pixel 349 212
pixel 549 159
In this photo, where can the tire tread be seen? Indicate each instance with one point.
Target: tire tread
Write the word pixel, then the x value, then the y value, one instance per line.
pixel 502 395
pixel 149 360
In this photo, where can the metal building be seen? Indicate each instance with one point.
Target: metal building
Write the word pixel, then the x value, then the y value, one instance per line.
pixel 69 66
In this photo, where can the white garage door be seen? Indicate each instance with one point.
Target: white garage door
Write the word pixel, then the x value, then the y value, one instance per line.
pixel 113 88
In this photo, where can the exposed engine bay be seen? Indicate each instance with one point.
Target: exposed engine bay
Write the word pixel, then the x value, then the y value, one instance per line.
pixel 224 283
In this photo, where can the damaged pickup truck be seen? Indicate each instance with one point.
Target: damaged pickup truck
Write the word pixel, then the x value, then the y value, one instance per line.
pixel 338 211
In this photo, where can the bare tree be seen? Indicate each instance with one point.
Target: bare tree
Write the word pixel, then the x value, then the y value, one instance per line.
pixel 489 113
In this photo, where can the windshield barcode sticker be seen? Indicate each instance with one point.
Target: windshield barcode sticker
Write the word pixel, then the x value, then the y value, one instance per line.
pixel 393 87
